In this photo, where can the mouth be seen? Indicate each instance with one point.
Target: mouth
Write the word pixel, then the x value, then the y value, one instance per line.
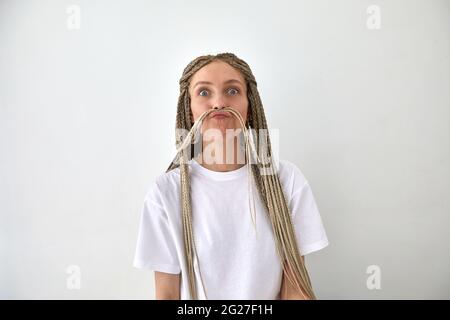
pixel 220 115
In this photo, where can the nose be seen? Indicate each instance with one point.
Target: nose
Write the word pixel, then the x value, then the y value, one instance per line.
pixel 219 101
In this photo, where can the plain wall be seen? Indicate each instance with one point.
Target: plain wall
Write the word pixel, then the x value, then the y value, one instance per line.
pixel 87 119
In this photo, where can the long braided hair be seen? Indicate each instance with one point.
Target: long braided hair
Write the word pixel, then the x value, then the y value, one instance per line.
pixel 268 185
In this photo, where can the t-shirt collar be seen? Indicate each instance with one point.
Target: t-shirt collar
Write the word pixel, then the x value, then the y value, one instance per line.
pixel 217 175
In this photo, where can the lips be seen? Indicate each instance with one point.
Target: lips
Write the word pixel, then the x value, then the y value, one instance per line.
pixel 220 115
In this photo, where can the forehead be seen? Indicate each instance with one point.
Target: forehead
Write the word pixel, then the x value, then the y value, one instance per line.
pixel 216 72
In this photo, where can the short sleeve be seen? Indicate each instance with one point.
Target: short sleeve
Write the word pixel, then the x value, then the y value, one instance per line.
pixel 155 248
pixel 309 229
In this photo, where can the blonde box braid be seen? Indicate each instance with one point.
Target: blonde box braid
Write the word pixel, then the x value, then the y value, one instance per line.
pixel 267 183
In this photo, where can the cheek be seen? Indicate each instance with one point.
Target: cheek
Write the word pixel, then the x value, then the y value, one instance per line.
pixel 241 105
pixel 196 110
pixel 243 109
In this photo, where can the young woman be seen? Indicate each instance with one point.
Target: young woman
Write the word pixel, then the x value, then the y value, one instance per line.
pixel 199 230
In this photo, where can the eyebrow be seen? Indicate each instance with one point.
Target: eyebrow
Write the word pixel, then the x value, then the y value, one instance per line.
pixel 226 82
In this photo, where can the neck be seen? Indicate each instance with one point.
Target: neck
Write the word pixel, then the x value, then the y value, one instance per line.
pixel 227 157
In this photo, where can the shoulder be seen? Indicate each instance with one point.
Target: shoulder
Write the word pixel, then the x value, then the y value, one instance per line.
pixel 289 169
pixel 291 176
pixel 163 185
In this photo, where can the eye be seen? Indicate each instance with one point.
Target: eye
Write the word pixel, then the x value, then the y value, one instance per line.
pixel 203 91
pixel 233 91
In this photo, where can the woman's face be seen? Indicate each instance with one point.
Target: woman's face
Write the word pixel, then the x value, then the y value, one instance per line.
pixel 218 84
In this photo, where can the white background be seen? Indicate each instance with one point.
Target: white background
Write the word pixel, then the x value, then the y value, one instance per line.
pixel 87 121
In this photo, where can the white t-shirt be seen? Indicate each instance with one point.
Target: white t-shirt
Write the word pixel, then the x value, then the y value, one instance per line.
pixel 235 263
